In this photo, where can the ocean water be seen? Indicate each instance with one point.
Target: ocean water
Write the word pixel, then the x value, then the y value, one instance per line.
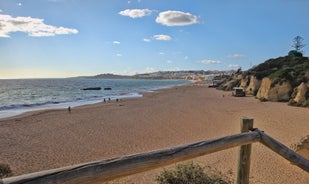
pixel 18 96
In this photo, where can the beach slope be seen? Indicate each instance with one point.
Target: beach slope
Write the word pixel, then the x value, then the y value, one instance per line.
pixel 169 117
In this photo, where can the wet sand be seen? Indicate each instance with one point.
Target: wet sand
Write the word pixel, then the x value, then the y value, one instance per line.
pixel 181 115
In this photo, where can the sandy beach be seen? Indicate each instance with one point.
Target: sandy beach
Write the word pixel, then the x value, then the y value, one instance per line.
pixel 170 117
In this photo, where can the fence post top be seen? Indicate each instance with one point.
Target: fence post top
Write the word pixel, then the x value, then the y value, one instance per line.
pixel 246 124
pixel 246 118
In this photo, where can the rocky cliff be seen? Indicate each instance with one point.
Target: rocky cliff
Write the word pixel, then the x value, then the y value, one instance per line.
pixel 253 87
pixel 281 79
pixel 300 96
pixel 230 83
pixel 274 92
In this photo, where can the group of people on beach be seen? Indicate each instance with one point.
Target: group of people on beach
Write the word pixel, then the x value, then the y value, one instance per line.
pixel 104 100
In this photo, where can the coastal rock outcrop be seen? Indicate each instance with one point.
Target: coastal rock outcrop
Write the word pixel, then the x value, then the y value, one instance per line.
pixel 92 88
pixel 302 146
pixel 301 95
pixel 231 83
pixel 253 86
pixel 244 82
pixel 280 79
pixel 264 89
pixel 274 92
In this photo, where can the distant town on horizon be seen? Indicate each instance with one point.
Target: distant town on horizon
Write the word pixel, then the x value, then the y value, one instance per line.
pixel 184 74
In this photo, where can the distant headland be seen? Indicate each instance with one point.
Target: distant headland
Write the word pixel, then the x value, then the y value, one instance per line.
pixel 180 75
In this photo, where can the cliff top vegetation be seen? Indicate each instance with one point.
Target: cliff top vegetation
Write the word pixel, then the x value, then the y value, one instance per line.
pixel 288 68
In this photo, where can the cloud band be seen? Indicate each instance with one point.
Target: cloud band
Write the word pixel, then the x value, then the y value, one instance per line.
pixel 32 26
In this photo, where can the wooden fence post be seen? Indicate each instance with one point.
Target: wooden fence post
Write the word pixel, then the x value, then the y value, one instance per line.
pixel 243 169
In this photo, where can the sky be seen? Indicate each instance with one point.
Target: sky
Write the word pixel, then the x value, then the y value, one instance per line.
pixel 67 38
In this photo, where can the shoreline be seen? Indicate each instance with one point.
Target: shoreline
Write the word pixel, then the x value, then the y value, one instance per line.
pixel 161 119
pixel 63 106
pixel 11 108
pixel 11 113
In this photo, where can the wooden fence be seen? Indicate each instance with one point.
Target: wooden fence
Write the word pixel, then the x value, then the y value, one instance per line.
pixel 107 170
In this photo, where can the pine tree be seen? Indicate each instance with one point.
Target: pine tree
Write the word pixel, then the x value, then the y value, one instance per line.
pixel 297 45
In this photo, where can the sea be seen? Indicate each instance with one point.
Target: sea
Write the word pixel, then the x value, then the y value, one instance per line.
pixel 18 96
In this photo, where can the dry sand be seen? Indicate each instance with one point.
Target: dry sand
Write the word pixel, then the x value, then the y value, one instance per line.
pixel 181 115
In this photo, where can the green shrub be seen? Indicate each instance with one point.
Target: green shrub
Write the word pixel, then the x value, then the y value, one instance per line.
pixel 289 68
pixel 5 171
pixel 191 173
pixel 295 53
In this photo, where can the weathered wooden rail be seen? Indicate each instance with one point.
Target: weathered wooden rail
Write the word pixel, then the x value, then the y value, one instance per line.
pixel 107 170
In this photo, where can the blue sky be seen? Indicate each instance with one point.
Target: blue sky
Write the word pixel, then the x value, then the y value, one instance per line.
pixel 64 38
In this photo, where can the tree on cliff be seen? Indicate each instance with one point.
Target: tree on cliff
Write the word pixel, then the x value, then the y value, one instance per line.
pixel 297 45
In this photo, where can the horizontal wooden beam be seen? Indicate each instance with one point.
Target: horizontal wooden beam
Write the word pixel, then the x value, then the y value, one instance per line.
pixel 97 172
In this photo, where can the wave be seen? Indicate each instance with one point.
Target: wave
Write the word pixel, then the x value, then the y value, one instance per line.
pixel 78 100
pixel 19 106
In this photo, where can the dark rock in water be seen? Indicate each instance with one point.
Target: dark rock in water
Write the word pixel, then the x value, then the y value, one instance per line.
pixel 107 88
pixel 93 88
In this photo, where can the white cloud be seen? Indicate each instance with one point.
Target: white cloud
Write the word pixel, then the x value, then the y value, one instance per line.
pixel 135 13
pixel 176 18
pixel 19 4
pixel 118 55
pixel 237 56
pixel 161 53
pixel 116 42
pixel 162 37
pixel 1 11
pixel 234 66
pixel 186 57
pixel 146 40
pixel 210 62
pixel 32 26
pixel 169 62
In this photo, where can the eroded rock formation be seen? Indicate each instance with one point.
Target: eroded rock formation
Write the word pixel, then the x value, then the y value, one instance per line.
pixel 274 92
pixel 300 96
pixel 253 86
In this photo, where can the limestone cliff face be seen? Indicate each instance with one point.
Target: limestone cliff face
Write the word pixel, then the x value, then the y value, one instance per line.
pixel 301 91
pixel 278 92
pixel 300 94
pixel 281 92
pixel 275 80
pixel 253 86
pixel 244 82
pixel 233 82
pixel 264 89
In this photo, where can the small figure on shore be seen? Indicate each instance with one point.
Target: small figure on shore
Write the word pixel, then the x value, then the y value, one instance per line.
pixel 117 100
pixel 109 99
pixel 104 100
pixel 69 109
